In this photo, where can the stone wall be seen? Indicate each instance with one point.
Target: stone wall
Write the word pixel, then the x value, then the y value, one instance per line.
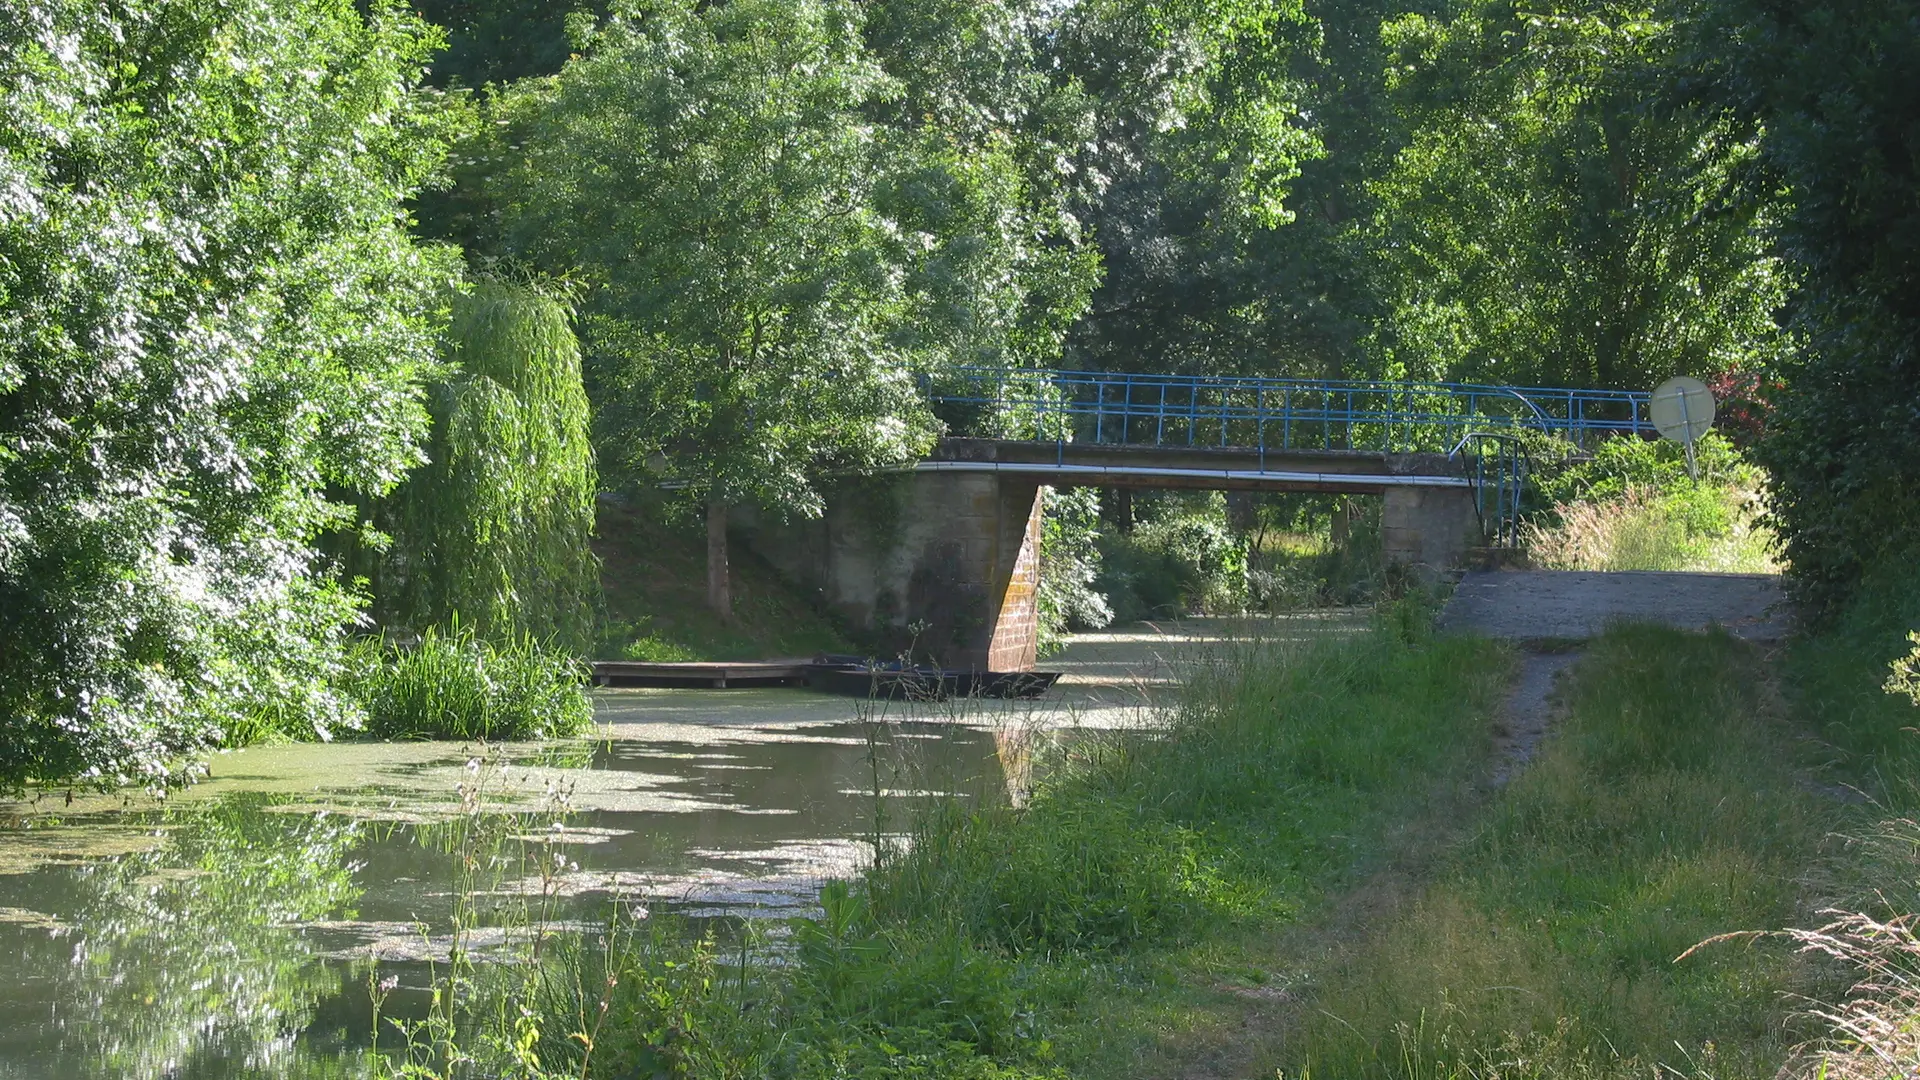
pixel 1430 527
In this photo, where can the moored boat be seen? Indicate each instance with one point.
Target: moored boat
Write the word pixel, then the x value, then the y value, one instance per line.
pixel 892 680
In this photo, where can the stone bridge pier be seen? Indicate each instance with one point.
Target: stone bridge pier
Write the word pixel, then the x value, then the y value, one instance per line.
pixel 947 564
pixel 945 559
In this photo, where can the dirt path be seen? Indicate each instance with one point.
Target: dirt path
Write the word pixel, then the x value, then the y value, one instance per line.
pixel 1543 612
pixel 1524 718
pixel 1258 1020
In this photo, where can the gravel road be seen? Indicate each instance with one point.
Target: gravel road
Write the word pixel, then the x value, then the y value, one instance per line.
pixel 1541 605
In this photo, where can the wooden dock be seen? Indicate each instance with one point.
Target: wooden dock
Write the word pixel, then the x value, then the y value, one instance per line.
pixel 716 676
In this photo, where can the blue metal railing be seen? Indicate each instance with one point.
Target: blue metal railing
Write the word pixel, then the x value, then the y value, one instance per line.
pixel 1477 426
pixel 1269 414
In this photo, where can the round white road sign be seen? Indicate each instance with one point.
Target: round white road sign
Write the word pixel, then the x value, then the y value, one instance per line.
pixel 1682 409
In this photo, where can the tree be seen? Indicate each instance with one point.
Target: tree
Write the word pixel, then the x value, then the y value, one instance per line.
pixel 498 41
pixel 767 266
pixel 210 312
pixel 1828 89
pixel 1552 219
pixel 492 533
pixel 979 146
pixel 1197 138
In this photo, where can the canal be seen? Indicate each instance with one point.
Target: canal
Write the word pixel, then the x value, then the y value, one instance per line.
pixel 228 929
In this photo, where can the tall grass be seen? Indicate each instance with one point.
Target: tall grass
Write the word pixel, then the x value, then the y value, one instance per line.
pixel 1664 811
pixel 1854 683
pixel 1238 807
pixel 458 686
pixel 1705 528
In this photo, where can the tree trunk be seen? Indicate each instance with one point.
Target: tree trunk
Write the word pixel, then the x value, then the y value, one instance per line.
pixel 1123 509
pixel 719 592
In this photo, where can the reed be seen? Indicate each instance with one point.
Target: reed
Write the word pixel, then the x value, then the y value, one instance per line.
pixel 455 685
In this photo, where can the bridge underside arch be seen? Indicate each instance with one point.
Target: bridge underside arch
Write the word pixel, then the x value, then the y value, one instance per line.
pixel 944 559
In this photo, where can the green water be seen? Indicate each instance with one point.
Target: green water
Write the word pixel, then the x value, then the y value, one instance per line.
pixel 228 933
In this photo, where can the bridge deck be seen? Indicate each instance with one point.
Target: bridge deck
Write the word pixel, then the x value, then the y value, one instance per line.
pixel 1134 465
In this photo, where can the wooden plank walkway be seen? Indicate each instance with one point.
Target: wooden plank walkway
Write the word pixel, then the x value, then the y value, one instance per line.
pixel 719 676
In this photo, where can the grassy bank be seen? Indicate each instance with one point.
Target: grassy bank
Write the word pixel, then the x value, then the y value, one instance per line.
pixel 1072 935
pixel 1668 807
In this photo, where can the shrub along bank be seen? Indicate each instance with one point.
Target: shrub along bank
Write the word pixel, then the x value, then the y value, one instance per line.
pixel 1632 505
pixel 447 685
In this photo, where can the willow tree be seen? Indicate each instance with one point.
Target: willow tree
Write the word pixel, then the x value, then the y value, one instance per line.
pixel 492 532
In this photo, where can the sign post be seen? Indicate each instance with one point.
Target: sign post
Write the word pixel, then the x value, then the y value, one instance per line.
pixel 1682 410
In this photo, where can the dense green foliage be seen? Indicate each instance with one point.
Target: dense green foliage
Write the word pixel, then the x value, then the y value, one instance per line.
pixel 1840 680
pixel 492 531
pixel 766 264
pixel 1069 567
pixel 211 314
pixel 1551 221
pixel 777 217
pixel 1831 87
pixel 1183 560
pixel 498 41
pixel 1196 137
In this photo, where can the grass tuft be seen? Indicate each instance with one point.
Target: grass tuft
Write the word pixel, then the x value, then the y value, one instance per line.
pixel 1704 529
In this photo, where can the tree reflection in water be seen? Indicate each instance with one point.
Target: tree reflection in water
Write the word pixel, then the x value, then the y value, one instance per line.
pixel 187 960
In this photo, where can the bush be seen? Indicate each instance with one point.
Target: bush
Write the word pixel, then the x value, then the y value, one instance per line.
pixel 457 686
pixel 1183 564
pixel 1633 506
pixel 1696 528
pixel 1341 566
pixel 1621 464
pixel 1069 566
pixel 1839 679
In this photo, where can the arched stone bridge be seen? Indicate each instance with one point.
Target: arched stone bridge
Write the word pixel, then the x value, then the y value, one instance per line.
pixel 944 554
